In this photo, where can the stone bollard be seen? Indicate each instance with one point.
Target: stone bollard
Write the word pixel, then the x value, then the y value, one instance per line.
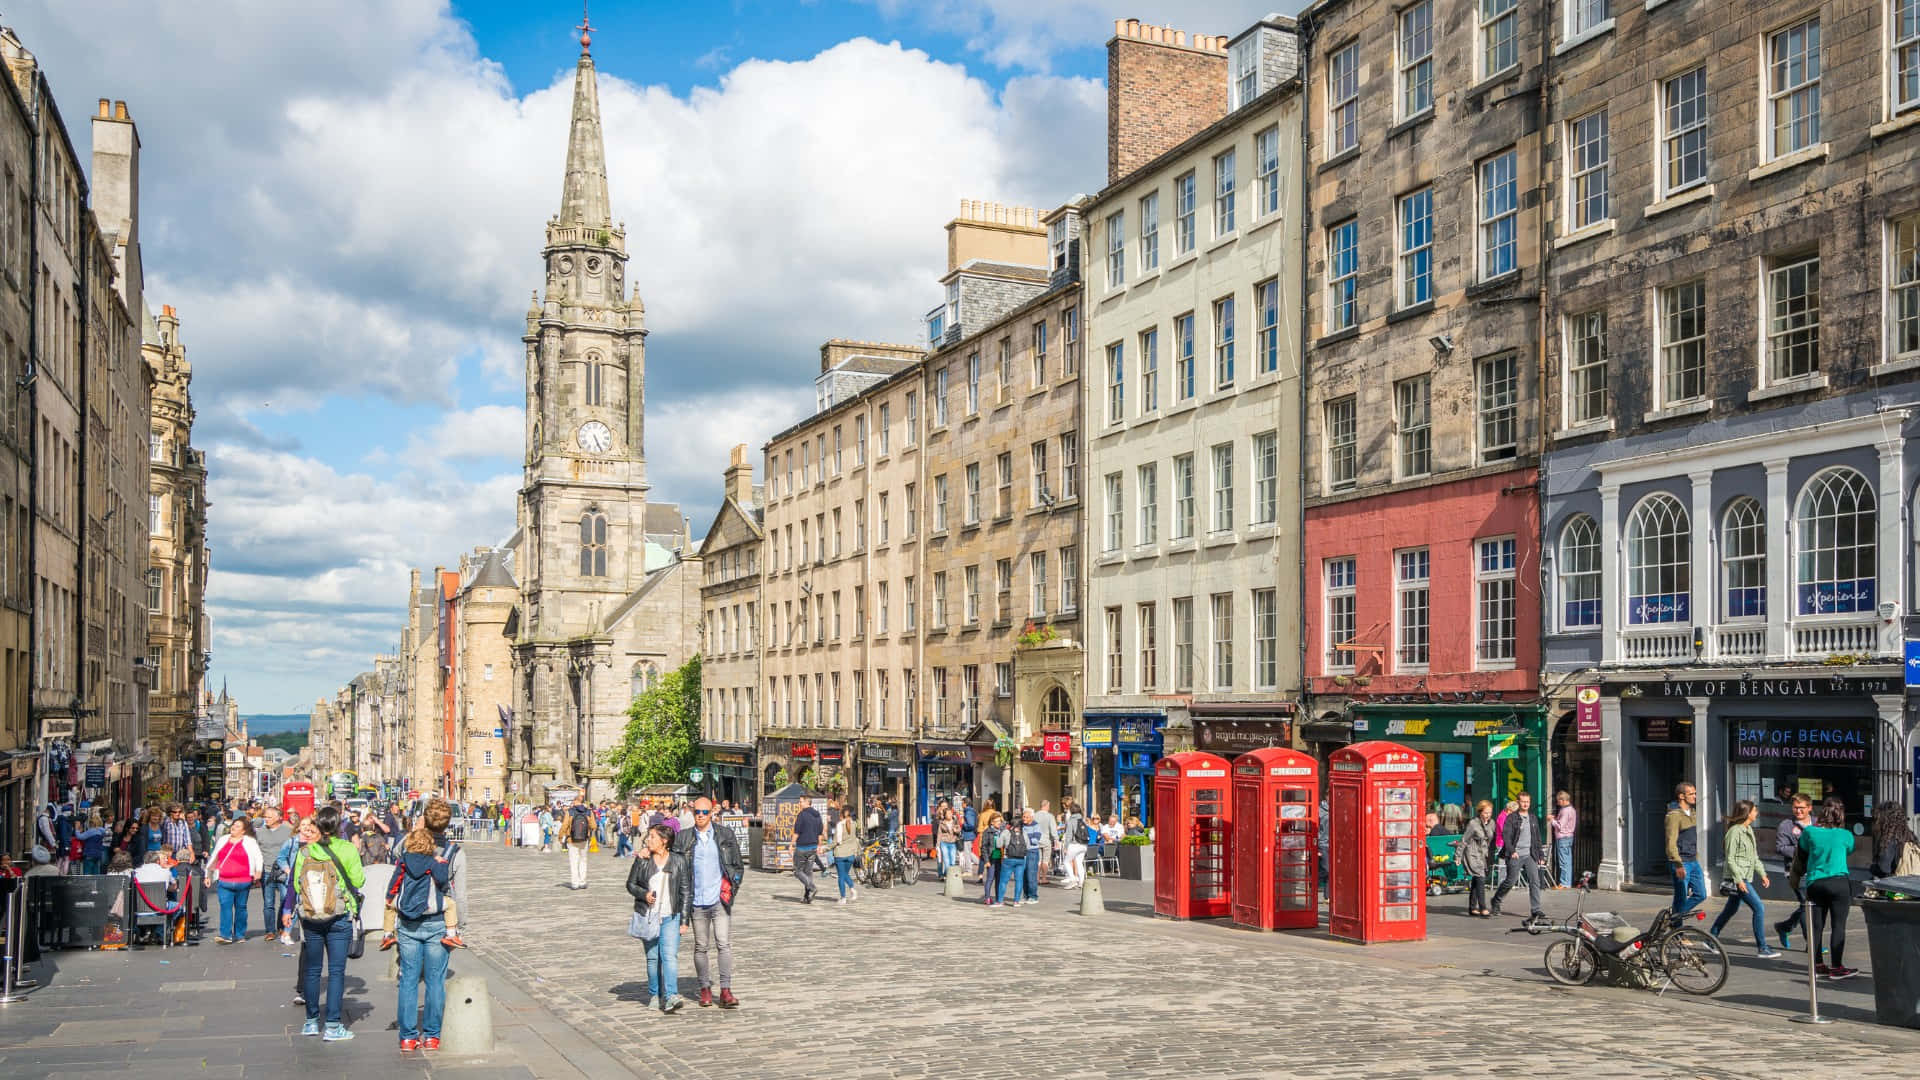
pixel 956 885
pixel 467 1025
pixel 1090 901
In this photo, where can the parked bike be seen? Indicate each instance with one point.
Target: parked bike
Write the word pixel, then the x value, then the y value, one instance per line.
pixel 885 861
pixel 1668 953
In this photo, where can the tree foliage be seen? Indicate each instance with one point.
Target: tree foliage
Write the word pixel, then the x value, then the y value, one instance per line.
pixel 662 739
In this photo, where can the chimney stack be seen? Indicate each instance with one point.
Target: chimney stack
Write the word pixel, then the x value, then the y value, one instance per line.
pixel 738 479
pixel 1161 90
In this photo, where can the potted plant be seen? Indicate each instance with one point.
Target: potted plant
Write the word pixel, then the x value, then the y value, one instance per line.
pixel 1003 750
pixel 1034 634
pixel 1136 857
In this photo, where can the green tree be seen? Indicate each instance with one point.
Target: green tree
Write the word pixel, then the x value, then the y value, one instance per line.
pixel 662 739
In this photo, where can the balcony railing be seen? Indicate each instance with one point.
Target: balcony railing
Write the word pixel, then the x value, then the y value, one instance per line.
pixel 1813 639
pixel 1741 641
pixel 1654 644
pixel 1824 638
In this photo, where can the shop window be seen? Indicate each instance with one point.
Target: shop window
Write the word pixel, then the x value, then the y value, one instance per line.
pixel 1834 525
pixel 1659 554
pixel 1743 560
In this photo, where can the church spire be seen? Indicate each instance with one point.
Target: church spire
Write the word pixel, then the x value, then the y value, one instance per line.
pixel 583 200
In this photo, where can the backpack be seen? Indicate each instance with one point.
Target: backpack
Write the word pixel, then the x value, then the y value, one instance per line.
pixel 1080 833
pixel 581 827
pixel 420 883
pixel 323 885
pixel 1016 845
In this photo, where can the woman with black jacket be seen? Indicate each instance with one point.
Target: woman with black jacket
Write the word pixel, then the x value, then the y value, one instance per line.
pixel 661 884
pixel 1892 836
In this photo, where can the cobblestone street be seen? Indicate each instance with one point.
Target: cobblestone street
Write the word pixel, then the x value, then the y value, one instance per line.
pixel 908 983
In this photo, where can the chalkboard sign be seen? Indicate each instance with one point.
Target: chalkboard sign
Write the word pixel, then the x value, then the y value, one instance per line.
pixel 738 824
pixel 779 812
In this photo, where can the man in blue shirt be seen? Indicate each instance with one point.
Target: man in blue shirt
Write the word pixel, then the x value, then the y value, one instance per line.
pixel 714 855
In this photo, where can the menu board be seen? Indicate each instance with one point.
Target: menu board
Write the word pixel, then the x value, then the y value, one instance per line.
pixel 776 843
pixel 737 823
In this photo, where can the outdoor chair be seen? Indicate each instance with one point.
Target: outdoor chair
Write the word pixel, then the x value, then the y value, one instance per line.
pixel 161 915
pixel 1103 860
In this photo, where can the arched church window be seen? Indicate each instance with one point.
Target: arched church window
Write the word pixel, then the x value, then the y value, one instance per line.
pixel 593 544
pixel 595 375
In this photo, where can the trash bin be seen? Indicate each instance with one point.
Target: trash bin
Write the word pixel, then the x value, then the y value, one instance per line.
pixel 1893 938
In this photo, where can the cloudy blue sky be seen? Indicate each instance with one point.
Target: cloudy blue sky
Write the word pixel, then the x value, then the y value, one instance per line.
pixel 344 200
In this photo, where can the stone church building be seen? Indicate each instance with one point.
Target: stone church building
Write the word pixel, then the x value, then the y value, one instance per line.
pixel 610 583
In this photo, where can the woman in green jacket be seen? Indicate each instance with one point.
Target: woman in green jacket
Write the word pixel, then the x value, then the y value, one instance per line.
pixel 1822 865
pixel 327 879
pixel 1743 867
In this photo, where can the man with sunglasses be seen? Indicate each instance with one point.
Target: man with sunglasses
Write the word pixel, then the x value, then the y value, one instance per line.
pixel 714 854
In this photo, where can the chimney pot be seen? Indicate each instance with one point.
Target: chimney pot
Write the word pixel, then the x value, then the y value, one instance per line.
pixel 1180 38
pixel 103 107
pixel 119 110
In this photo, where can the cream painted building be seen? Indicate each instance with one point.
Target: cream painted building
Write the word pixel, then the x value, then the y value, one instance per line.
pixel 730 597
pixel 1192 403
pixel 840 520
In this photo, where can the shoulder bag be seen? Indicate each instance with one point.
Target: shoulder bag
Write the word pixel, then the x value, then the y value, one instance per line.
pixel 356 942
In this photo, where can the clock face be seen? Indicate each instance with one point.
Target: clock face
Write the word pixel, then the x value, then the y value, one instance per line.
pixel 594 437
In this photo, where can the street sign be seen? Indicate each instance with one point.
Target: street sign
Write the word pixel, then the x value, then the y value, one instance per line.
pixel 694 774
pixel 1913 664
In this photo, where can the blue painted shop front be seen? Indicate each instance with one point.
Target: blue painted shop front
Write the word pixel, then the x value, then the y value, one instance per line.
pixel 1121 751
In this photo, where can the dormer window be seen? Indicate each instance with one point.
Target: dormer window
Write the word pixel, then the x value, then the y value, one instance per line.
pixel 1245 76
pixel 1057 242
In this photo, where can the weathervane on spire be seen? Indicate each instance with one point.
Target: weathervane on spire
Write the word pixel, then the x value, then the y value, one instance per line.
pixel 586 30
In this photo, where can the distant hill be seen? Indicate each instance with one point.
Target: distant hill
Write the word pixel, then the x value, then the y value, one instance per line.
pixel 268 723
pixel 290 741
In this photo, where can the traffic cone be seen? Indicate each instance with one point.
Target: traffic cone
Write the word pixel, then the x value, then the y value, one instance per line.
pixel 956 885
pixel 1090 902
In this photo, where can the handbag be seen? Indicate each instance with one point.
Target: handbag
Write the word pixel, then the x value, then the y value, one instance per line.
pixel 1730 888
pixel 644 925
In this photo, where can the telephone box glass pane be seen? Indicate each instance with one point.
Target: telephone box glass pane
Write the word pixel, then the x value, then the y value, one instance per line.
pixel 1392 844
pixel 1396 862
pixel 1396 914
pixel 1402 812
pixel 1393 881
pixel 1292 811
pixel 1296 795
pixel 1396 896
pixel 1396 794
pixel 1396 828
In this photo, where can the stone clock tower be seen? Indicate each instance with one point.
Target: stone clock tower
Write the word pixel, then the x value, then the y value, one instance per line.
pixel 584 549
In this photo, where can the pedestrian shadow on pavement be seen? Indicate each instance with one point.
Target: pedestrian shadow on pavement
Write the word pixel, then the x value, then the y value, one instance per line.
pixel 638 994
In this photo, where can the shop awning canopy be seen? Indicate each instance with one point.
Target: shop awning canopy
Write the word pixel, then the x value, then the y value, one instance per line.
pixel 987 733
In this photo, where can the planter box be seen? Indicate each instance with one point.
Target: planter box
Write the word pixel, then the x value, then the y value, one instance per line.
pixel 1136 862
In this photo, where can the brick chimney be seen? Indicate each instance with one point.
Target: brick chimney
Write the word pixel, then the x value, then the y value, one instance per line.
pixel 1163 86
pixel 739 477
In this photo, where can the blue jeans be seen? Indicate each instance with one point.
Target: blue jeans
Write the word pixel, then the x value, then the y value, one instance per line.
pixel 271 895
pixel 93 864
pixel 1751 898
pixel 949 855
pixel 1030 875
pixel 844 865
pixel 1008 868
pixel 325 945
pixel 422 958
pixel 663 961
pixel 233 909
pixel 1563 859
pixel 1689 888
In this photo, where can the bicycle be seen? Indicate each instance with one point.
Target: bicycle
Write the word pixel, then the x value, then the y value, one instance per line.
pixel 1668 953
pixel 884 862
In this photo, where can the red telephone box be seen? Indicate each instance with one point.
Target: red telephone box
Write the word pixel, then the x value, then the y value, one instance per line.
pixel 1276 833
pixel 1375 846
pixel 297 796
pixel 1193 829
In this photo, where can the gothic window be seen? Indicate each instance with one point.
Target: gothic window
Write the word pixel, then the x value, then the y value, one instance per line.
pixel 1834 524
pixel 595 376
pixel 1659 555
pixel 1057 713
pixel 593 544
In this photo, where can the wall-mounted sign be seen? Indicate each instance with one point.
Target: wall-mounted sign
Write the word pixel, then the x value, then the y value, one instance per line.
pixel 97 774
pixel 1831 597
pixel 1785 687
pixel 1586 714
pixel 1666 729
pixel 801 749
pixel 1096 738
pixel 832 753
pixel 1840 741
pixel 1225 737
pixel 1670 608
pixel 1913 665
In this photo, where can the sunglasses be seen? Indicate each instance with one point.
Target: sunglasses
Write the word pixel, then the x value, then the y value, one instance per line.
pixel 701 813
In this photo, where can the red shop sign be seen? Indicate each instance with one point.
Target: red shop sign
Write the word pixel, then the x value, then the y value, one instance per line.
pixel 1056 747
pixel 802 749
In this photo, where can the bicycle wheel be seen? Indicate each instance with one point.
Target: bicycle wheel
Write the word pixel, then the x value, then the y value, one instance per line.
pixel 1571 962
pixel 1694 961
pixel 906 866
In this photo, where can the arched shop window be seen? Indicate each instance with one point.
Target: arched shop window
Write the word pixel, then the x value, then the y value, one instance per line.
pixel 1834 525
pixel 1743 559
pixel 1659 553
pixel 1579 569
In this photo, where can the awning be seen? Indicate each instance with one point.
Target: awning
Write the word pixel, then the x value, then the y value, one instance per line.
pixel 986 733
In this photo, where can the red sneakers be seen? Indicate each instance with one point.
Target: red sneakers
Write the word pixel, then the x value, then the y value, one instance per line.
pixel 432 1043
pixel 408 1046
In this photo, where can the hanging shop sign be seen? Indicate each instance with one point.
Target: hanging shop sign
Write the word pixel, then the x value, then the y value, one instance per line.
pixel 881 752
pixel 97 774
pixel 949 753
pixel 1586 714
pixel 1056 747
pixel 1841 741
pixel 801 749
pixel 1913 665
pixel 832 753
